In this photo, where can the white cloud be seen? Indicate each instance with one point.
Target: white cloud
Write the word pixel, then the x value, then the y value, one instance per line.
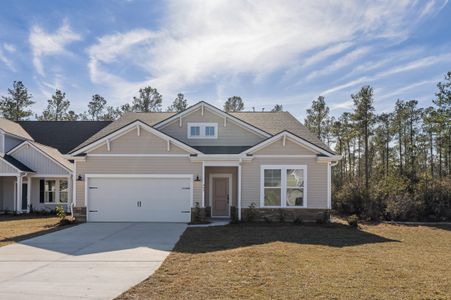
pixel 9 47
pixel 412 65
pixel 213 41
pixel 45 44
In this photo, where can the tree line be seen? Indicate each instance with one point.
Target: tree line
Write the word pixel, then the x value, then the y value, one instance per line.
pixel 395 165
pixel 17 104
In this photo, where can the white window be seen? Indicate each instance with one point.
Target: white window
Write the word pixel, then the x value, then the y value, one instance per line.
pixel 56 191
pixel 283 186
pixel 202 130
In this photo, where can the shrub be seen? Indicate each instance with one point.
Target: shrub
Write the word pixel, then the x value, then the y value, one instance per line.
pixel 251 213
pixel 60 213
pixel 234 215
pixel 353 221
pixel 281 216
pixel 197 218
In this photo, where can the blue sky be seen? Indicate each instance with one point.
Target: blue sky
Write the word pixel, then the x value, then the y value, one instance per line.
pixel 267 52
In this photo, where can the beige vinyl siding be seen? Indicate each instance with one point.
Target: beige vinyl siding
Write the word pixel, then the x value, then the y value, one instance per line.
pixel 230 135
pixel 6 168
pixel 2 143
pixel 7 193
pixel 137 165
pixel 38 162
pixel 221 170
pixel 145 143
pixel 290 148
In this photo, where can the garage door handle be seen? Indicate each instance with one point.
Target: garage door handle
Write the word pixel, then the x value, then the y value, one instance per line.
pixel 186 188
pixel 93 211
pixel 93 188
pixel 185 211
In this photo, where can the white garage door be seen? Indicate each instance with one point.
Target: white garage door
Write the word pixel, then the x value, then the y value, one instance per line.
pixel 162 199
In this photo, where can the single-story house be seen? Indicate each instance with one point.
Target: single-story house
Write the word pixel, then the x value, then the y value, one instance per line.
pixel 168 167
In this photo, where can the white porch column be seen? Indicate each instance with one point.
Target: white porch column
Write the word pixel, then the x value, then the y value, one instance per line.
pixel 70 194
pixel 329 186
pixel 239 191
pixel 28 193
pixel 19 194
pixel 203 185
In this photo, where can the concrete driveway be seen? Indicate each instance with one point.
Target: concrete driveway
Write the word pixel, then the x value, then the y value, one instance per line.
pixel 91 261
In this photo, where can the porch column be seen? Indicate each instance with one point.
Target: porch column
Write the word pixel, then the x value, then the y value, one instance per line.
pixel 28 193
pixel 19 194
pixel 70 194
pixel 239 191
pixel 203 185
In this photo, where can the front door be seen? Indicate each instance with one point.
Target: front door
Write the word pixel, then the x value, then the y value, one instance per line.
pixel 220 197
pixel 24 196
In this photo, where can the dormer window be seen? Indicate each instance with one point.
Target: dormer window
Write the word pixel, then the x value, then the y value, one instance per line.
pixel 202 130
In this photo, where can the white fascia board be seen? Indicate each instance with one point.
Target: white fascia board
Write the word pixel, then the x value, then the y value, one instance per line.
pixel 221 157
pixel 129 127
pixel 9 164
pixel 329 159
pixel 292 138
pixel 216 111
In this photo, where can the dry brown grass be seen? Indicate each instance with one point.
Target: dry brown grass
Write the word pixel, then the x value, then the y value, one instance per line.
pixel 17 228
pixel 305 262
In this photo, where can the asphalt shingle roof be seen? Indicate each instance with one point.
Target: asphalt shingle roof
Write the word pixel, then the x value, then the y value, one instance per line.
pixel 14 129
pixel 62 135
pixel 270 122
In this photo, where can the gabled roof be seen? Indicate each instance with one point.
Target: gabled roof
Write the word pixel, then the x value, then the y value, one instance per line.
pixel 14 129
pixel 16 164
pixel 214 109
pixel 276 122
pixel 51 153
pixel 127 118
pixel 130 126
pixel 62 135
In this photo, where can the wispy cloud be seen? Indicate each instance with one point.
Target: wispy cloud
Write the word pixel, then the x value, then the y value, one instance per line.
pixel 4 58
pixel 409 66
pixel 202 42
pixel 45 44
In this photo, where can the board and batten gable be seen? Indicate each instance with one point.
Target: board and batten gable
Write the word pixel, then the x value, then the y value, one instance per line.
pixel 38 162
pixel 144 143
pixel 277 154
pixel 134 154
pixel 6 168
pixel 230 133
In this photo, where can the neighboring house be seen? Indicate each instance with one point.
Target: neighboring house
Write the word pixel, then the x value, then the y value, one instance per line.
pixel 34 174
pixel 202 162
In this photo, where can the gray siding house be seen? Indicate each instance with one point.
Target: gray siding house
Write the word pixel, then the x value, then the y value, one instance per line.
pixel 168 167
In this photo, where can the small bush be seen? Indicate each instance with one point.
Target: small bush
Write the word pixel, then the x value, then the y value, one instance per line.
pixel 267 220
pixel 251 213
pixel 60 213
pixel 234 215
pixel 197 218
pixel 353 221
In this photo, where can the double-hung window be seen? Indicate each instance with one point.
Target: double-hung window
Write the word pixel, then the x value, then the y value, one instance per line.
pixel 54 191
pixel 283 186
pixel 202 130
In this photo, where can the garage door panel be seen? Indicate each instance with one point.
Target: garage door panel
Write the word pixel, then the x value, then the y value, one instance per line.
pixel 139 199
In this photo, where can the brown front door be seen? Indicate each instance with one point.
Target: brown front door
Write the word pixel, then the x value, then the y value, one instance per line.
pixel 220 196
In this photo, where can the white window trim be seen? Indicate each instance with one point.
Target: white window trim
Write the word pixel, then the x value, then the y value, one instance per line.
pixel 58 191
pixel 283 187
pixel 202 127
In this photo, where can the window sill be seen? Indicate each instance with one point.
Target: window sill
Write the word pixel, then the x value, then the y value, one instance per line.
pixel 284 207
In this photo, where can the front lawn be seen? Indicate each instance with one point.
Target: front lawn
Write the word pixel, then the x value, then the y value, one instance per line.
pixel 17 228
pixel 270 261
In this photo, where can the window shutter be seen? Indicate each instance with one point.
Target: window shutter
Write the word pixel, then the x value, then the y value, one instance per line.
pixel 41 190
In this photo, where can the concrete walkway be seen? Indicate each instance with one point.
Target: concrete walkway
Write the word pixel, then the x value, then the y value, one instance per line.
pixel 88 261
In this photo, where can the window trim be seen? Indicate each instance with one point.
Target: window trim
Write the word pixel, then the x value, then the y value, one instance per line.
pixel 57 191
pixel 202 130
pixel 283 185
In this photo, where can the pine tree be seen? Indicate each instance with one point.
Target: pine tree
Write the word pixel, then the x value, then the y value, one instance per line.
pixel 15 106
pixel 149 100
pixel 234 104
pixel 277 107
pixel 317 117
pixel 56 108
pixel 96 107
pixel 179 104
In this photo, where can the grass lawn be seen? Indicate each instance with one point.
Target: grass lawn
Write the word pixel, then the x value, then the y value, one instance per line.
pixel 17 228
pixel 304 262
